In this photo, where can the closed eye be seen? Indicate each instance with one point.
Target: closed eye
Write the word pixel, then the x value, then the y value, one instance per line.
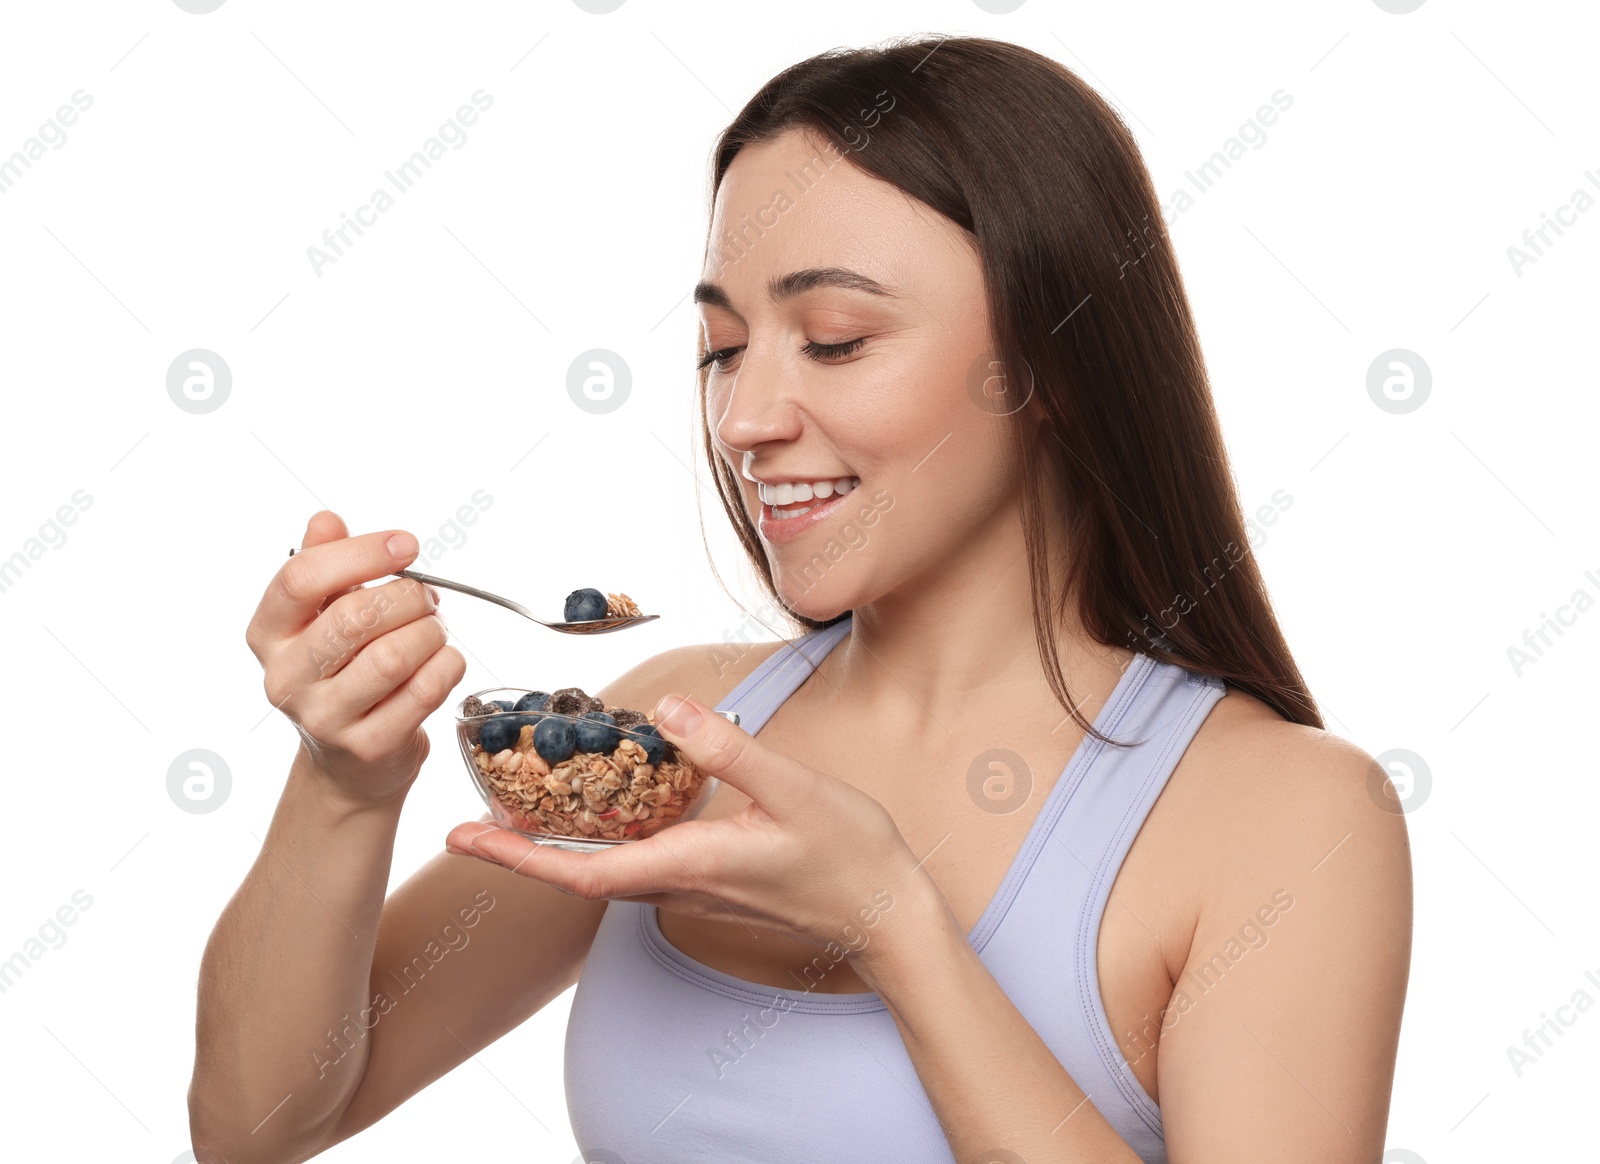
pixel 812 350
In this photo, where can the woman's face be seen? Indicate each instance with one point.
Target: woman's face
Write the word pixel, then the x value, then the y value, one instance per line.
pixel 819 383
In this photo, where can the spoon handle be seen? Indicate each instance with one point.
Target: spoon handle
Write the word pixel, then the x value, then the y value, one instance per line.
pixel 463 588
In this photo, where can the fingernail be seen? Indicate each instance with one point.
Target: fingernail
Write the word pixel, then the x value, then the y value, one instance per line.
pixel 681 717
pixel 402 545
pixel 451 847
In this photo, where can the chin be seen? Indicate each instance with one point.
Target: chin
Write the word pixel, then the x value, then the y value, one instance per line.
pixel 818 603
pixel 810 606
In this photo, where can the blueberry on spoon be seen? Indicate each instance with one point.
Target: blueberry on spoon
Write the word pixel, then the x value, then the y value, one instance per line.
pixel 584 605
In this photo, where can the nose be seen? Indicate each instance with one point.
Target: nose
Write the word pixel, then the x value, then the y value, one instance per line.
pixel 756 404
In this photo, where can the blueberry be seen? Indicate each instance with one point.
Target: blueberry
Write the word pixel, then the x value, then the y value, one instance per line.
pixel 554 739
pixel 499 732
pixel 597 732
pixel 648 738
pixel 532 701
pixel 503 704
pixel 584 605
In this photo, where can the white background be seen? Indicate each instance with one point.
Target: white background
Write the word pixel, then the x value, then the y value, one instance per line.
pixel 428 360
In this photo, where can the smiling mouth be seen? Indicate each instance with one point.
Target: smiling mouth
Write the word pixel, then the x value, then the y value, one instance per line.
pixel 795 498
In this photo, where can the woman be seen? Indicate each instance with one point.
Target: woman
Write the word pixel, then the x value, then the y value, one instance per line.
pixel 935 911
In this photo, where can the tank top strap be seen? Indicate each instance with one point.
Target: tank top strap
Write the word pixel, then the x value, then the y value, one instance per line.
pixel 759 694
pixel 1160 716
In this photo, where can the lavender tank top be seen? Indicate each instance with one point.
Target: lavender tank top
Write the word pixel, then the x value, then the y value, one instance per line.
pixel 669 1061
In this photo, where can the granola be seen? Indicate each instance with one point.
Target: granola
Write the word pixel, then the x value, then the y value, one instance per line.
pixel 618 605
pixel 592 795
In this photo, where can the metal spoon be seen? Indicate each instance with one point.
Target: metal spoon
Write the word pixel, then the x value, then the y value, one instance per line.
pixel 593 626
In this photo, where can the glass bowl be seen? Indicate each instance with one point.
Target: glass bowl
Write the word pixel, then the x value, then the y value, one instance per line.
pixel 578 783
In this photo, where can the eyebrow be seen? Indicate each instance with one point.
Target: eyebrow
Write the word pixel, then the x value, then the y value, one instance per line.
pixel 798 283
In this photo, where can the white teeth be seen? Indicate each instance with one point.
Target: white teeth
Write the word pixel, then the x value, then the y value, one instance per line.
pixel 793 492
pixel 787 514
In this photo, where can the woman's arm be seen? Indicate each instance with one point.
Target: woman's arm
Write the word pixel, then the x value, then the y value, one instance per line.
pixel 1284 1049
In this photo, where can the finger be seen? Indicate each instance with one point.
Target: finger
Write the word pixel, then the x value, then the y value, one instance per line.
pixel 459 839
pixel 325 526
pixel 334 641
pixel 296 593
pixel 639 867
pixel 721 749
pixel 399 714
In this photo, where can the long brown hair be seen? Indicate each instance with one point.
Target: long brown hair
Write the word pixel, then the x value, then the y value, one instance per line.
pixel 1084 300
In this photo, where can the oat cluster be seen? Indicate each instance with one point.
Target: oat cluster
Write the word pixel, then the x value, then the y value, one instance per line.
pixel 619 796
pixel 618 605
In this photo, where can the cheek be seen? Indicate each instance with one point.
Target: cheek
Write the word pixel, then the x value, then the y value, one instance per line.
pixel 893 409
pixel 965 479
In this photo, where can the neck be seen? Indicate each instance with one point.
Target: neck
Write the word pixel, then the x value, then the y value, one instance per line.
pixel 960 639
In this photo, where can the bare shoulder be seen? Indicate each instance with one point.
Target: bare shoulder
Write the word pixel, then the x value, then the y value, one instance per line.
pixel 704 671
pixel 1282 796
pixel 1259 805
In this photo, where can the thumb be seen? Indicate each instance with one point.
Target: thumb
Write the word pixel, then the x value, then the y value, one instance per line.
pixel 720 748
pixel 326 526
